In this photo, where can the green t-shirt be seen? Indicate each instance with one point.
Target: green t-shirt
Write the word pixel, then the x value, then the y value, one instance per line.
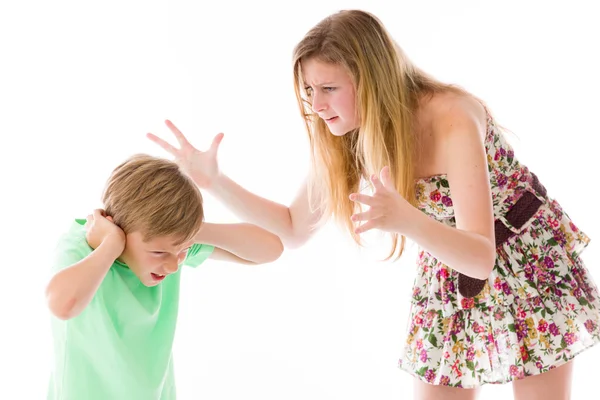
pixel 120 346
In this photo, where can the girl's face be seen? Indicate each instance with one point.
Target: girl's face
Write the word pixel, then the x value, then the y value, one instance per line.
pixel 331 92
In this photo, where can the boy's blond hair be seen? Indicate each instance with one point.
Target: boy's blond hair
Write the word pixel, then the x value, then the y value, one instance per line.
pixel 153 196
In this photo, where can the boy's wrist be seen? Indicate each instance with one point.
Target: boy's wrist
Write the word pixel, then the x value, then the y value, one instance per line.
pixel 113 248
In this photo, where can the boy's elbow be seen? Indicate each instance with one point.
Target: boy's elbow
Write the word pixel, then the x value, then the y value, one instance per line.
pixel 274 252
pixel 61 312
pixel 62 315
pixel 60 308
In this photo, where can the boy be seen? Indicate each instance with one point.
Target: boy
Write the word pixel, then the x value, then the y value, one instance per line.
pixel 115 288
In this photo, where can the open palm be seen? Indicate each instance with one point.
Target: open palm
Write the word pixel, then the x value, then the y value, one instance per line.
pixel 201 166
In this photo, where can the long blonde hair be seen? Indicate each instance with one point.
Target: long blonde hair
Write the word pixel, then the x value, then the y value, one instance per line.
pixel 388 88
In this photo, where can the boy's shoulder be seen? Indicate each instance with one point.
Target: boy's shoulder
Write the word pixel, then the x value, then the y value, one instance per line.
pixel 74 235
pixel 197 254
pixel 72 245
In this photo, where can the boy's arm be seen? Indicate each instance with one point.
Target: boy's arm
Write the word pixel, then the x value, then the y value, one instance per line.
pixel 241 243
pixel 70 290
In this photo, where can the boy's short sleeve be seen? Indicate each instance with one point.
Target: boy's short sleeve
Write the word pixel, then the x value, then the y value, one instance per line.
pixel 72 247
pixel 197 254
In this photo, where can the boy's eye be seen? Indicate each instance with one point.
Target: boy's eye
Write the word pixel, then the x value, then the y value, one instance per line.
pixel 162 253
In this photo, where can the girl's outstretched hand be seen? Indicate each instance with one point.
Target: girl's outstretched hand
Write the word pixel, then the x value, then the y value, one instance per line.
pixel 387 208
pixel 201 166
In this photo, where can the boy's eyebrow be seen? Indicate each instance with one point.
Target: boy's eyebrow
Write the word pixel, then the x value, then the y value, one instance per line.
pixel 167 246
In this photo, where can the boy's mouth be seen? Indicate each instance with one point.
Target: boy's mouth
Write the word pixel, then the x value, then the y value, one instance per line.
pixel 157 277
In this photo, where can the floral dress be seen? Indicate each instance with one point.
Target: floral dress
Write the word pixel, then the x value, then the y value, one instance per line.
pixel 539 307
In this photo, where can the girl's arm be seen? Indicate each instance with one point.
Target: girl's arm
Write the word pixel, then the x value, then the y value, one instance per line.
pixel 241 243
pixel 294 224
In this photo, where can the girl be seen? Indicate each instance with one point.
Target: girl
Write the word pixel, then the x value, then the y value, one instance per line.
pixel 501 294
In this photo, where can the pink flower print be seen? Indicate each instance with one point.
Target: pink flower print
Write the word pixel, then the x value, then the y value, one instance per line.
pixel 423 355
pixel 548 262
pixel 499 315
pixel 524 354
pixel 542 326
pixel 501 180
pixel 521 329
pixel 470 353
pixel 444 274
pixel 467 303
pixel 447 201
pixel 539 364
pixel 497 284
pixel 573 227
pixel 553 222
pixel 590 325
pixel 416 292
pixel 455 369
pixel 435 196
pixel 570 338
pixel 560 237
pixel 430 375
pixel 418 320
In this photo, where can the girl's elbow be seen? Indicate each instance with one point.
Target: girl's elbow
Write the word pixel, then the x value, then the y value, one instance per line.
pixel 295 241
pixel 489 263
pixel 270 254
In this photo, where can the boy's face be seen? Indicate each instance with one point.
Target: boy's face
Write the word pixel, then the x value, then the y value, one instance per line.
pixel 154 259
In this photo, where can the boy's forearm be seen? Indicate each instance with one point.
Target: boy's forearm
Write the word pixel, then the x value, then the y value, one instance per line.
pixel 246 241
pixel 71 290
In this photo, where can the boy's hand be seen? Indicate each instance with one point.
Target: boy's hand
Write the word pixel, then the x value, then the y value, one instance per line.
pixel 101 229
pixel 200 166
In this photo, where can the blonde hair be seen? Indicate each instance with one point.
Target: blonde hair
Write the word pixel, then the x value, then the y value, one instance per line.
pixel 153 196
pixel 388 88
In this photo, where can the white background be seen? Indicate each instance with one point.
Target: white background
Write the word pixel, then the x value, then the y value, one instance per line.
pixel 81 84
